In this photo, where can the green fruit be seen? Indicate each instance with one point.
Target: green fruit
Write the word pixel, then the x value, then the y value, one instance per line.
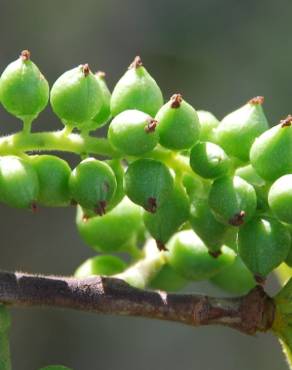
pixel 93 184
pixel 112 232
pixel 271 153
pixel 280 198
pixel 235 278
pixel 178 124
pixel 238 130
pixel 263 243
pixel 233 200
pixel 189 257
pixel 136 90
pixel 169 217
pixel 24 91
pixel 76 96
pixel 118 169
pixel 53 175
pixel 209 160
pixel 148 183
pixel 101 265
pixel 249 174
pixel 208 123
pixel 207 227
pixel 133 132
pixel 103 115
pixel 19 185
pixel 167 279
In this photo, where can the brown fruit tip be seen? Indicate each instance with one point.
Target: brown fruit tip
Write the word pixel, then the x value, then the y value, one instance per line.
pixel 260 280
pixel 286 122
pixel 215 254
pixel 151 205
pixel 237 219
pixel 25 55
pixel 137 62
pixel 161 246
pixel 100 74
pixel 100 209
pixel 34 207
pixel 85 69
pixel 175 100
pixel 257 100
pixel 151 125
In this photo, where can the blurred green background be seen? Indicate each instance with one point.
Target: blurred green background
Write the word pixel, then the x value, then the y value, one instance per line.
pixel 218 54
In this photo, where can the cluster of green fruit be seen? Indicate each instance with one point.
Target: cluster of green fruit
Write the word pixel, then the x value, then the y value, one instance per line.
pixel 215 196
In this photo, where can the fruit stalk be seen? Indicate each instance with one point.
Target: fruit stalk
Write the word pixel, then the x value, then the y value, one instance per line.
pixel 248 314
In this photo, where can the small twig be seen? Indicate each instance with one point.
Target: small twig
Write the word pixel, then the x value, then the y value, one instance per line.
pixel 248 314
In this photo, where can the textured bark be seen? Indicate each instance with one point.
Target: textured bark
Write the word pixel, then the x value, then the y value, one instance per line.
pixel 249 314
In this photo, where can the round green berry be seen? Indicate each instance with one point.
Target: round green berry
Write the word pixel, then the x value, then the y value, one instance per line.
pixel 263 243
pixel 19 184
pixel 209 160
pixel 233 200
pixel 133 132
pixel 118 169
pixel 101 265
pixel 238 130
pixel 93 184
pixel 148 183
pixel 167 279
pixel 112 232
pixel 104 113
pixel 271 153
pixel 24 91
pixel 53 175
pixel 249 174
pixel 208 122
pixel 76 96
pixel 178 124
pixel 280 198
pixel 136 90
pixel 207 227
pixel 189 256
pixel 235 278
pixel 169 217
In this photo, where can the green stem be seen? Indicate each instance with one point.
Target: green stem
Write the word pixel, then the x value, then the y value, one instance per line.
pixel 5 361
pixel 64 141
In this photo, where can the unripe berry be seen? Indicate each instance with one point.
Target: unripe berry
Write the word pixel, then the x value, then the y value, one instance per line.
pixel 53 175
pixel 136 90
pixel 207 227
pixel 148 183
pixel 76 96
pixel 263 243
pixel 169 216
pixel 24 91
pixel 238 130
pixel 232 200
pixel 208 122
pixel 133 132
pixel 168 280
pixel 179 126
pixel 118 169
pixel 112 232
pixel 104 113
pixel 19 185
pixel 209 160
pixel 93 184
pixel 280 198
pixel 235 278
pixel 271 153
pixel 189 256
pixel 101 265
